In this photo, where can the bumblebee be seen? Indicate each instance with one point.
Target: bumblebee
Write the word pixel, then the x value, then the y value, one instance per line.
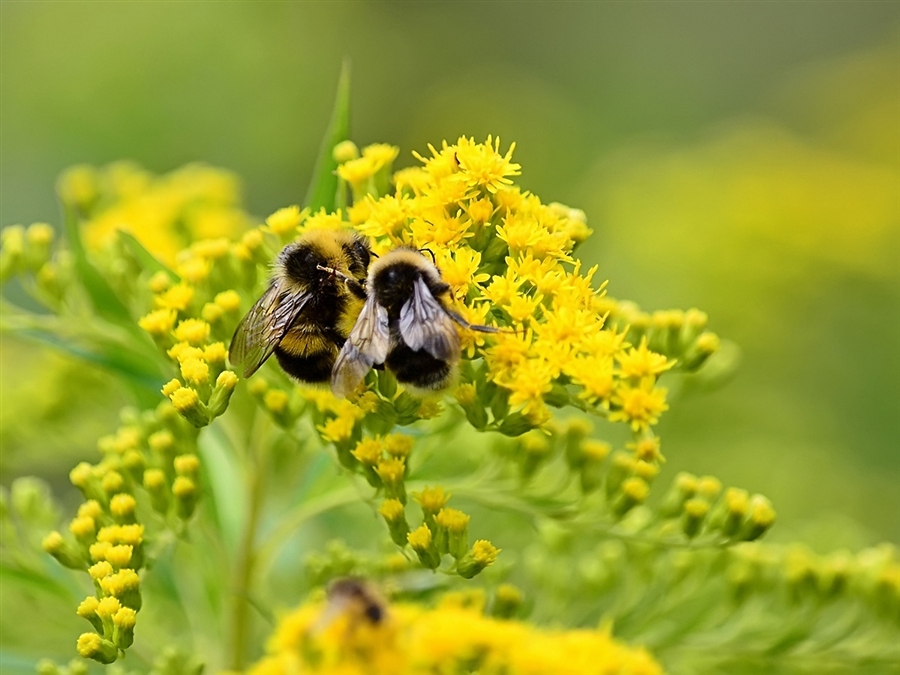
pixel 308 310
pixel 404 324
pixel 357 599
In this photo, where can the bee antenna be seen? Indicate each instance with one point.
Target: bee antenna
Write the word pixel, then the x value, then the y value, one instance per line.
pixel 429 252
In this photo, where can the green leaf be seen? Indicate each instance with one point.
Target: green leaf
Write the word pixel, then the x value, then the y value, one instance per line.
pixel 322 189
pixel 227 487
pixel 113 351
pixel 33 581
pixel 146 259
pixel 102 296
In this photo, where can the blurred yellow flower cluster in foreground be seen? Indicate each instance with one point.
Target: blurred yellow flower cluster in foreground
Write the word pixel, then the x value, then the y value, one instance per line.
pixel 452 637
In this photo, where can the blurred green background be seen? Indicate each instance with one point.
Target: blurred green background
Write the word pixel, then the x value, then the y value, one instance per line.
pixel 743 158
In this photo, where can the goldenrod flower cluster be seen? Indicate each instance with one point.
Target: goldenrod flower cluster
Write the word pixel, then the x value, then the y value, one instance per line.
pixel 165 213
pixel 452 637
pixel 151 454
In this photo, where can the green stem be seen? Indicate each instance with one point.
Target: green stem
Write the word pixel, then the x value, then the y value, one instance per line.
pixel 245 564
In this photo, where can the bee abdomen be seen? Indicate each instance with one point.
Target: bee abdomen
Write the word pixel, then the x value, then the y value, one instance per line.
pixel 309 366
pixel 419 368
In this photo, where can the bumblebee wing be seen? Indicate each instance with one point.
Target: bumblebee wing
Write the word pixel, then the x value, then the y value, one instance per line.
pixel 425 324
pixel 367 345
pixel 265 325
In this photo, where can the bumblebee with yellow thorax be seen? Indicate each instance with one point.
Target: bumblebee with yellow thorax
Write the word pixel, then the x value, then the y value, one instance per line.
pixel 309 308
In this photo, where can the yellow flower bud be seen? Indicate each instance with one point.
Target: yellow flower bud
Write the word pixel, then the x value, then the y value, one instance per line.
pixel 92 646
pixel 195 372
pixel 229 301
pixel 55 545
pixel 211 312
pixel 185 493
pixel 193 331
pixel 159 283
pixel 345 151
pixel 119 556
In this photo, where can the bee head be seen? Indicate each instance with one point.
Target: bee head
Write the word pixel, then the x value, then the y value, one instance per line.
pixel 300 262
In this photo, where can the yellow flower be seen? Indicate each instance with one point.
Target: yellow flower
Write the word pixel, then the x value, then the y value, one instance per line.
pixel 158 322
pixel 193 270
pixel 368 451
pixel 228 300
pixel 337 429
pixel 431 499
pixel 286 220
pixel 193 331
pixel 178 297
pixel 415 179
pixel 195 372
pixel 641 362
pixel 640 406
pixel 482 166
pixel 388 217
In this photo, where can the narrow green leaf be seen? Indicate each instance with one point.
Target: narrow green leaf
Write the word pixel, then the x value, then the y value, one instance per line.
pixel 322 189
pixel 33 581
pixel 120 354
pixel 101 294
pixel 146 259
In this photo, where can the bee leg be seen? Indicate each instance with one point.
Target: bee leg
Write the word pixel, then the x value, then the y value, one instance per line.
pixel 472 326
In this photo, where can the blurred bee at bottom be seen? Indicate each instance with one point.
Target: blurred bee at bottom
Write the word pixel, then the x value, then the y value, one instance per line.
pixel 306 313
pixel 405 324
pixel 356 599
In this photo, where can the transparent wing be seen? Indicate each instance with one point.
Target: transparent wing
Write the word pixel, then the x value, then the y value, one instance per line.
pixel 425 324
pixel 367 345
pixel 264 326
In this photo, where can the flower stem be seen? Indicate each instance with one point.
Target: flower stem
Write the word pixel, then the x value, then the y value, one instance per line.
pixel 245 563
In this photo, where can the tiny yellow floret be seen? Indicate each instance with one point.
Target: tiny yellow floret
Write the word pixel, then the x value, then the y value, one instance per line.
pixel 420 538
pixel 193 331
